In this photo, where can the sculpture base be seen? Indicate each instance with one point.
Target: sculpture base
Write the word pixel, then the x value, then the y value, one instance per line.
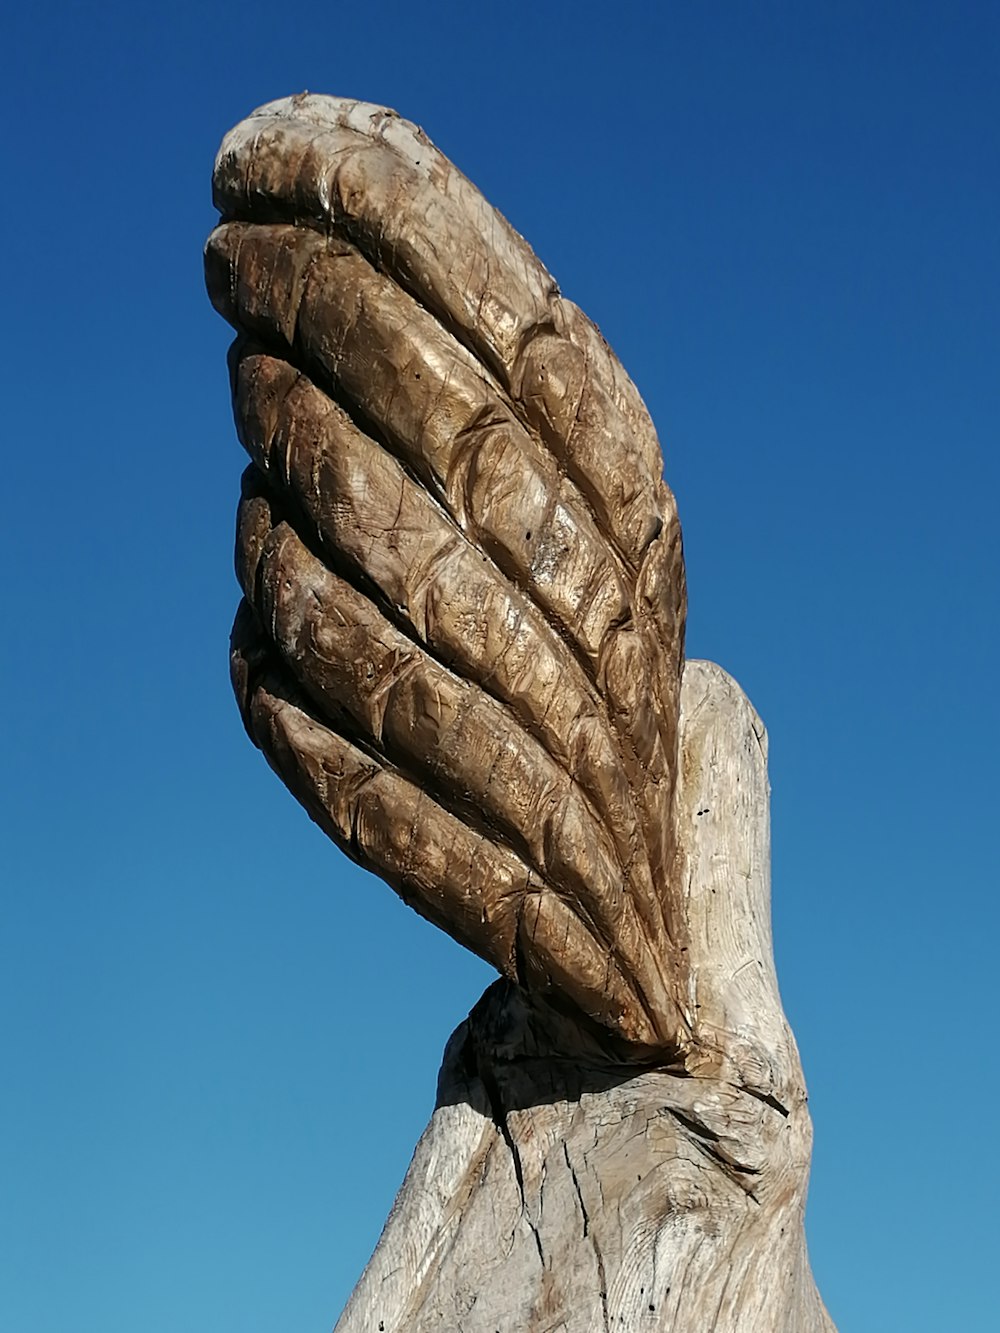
pixel 561 1189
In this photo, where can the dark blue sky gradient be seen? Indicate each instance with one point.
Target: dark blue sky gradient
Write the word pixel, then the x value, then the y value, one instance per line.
pixel 220 1040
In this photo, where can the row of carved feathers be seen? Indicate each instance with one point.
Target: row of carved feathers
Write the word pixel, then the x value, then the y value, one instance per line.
pixel 461 637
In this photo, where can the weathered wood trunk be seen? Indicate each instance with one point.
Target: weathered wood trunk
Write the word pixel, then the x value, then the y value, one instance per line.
pixel 461 647
pixel 558 1190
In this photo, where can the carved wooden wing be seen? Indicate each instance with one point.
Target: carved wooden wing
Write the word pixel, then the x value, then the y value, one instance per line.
pixel 461 637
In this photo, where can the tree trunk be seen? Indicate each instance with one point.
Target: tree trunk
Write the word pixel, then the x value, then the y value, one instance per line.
pixel 558 1190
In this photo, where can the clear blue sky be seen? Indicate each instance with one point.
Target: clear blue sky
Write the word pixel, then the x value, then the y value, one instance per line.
pixel 219 1039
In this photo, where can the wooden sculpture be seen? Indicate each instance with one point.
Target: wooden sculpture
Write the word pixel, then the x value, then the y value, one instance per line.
pixel 461 647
